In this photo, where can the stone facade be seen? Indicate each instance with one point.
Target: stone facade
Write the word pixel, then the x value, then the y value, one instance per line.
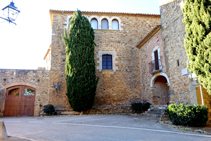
pixel 116 87
pixel 147 46
pixel 173 34
pixel 132 76
pixel 38 79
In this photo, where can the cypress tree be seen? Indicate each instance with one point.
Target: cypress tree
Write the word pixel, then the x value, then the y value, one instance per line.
pixel 197 43
pixel 80 70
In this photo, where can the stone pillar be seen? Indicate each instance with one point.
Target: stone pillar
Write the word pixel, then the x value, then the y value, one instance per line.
pixel 2 100
pixel 3 132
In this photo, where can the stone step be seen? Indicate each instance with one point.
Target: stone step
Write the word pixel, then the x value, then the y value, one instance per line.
pixel 70 113
pixel 151 115
pixel 164 119
pixel 155 112
pixel 158 111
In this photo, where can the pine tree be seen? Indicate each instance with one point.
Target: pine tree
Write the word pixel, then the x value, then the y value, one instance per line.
pixel 197 43
pixel 80 64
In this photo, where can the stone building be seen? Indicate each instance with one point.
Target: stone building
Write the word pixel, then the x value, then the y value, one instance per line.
pixel 147 61
pixel 155 82
pixel 181 88
pixel 116 36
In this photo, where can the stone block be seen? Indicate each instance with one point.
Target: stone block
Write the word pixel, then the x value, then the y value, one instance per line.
pixel 3 131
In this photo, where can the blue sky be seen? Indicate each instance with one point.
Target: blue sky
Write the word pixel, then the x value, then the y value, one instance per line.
pixel 24 45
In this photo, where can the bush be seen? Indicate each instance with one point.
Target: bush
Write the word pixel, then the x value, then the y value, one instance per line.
pixel 137 107
pixel 49 109
pixel 146 106
pixel 140 107
pixel 190 115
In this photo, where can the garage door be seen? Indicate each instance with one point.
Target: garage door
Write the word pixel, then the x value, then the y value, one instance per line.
pixel 20 101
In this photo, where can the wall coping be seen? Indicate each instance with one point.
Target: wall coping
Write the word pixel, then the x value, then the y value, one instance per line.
pixel 25 69
pixel 148 36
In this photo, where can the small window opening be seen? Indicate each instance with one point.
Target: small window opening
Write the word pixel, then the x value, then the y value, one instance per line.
pixel 177 62
pixel 14 92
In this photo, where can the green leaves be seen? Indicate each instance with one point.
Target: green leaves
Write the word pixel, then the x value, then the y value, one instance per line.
pixel 197 19
pixel 191 115
pixel 80 64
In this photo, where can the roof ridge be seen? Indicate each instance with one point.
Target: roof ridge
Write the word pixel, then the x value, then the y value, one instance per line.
pixel 105 12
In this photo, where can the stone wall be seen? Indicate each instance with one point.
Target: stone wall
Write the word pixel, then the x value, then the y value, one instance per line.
pixel 115 87
pixel 38 79
pixel 145 53
pixel 173 34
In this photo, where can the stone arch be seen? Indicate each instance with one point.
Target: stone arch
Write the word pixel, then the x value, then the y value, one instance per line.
pixel 20 84
pixel 157 75
pixel 98 20
pixel 119 21
pixel 92 23
pixel 107 18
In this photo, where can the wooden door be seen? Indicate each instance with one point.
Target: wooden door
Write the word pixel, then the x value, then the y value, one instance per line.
pixel 12 102
pixel 20 101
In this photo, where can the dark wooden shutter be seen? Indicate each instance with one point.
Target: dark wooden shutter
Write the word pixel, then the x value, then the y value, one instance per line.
pixel 156 60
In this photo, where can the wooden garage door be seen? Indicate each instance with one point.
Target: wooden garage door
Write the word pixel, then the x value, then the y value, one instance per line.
pixel 19 101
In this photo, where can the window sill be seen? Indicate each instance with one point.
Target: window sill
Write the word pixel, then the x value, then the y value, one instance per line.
pixel 107 70
pixel 107 29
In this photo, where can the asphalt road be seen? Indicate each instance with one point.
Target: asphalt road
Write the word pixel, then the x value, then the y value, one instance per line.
pixel 95 128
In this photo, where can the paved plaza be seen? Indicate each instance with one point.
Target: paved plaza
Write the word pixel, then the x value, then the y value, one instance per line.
pixel 94 128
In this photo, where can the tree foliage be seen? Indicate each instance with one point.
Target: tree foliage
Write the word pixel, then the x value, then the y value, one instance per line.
pixel 197 21
pixel 80 70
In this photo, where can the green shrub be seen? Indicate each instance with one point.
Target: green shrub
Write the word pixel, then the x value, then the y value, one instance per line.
pixel 49 109
pixel 140 107
pixel 190 115
pixel 80 69
pixel 137 107
pixel 146 106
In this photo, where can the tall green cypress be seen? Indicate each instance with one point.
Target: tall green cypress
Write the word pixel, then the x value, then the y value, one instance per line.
pixel 197 43
pixel 80 64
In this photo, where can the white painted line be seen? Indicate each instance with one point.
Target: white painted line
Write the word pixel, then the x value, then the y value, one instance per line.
pixel 135 128
pixel 21 137
pixel 79 118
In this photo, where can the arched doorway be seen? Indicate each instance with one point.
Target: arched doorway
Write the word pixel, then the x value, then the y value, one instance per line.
pixel 19 101
pixel 161 91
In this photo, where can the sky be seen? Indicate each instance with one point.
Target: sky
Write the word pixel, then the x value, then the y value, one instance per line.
pixel 24 45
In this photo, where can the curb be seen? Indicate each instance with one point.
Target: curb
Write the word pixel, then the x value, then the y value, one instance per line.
pixel 183 128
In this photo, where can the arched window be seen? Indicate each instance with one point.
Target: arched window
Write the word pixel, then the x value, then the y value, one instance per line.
pixel 69 22
pixel 94 23
pixel 107 62
pixel 115 25
pixel 104 24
